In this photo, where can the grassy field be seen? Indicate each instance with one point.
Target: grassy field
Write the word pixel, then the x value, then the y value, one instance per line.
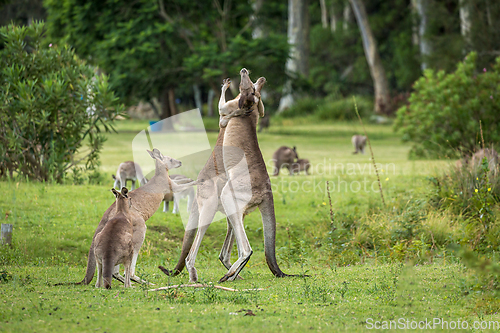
pixel 347 290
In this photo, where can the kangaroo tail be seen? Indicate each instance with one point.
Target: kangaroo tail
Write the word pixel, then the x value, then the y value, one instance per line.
pixel 107 272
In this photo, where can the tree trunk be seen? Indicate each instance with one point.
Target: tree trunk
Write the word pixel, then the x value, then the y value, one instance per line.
pixel 210 103
pixel 333 19
pixel 377 71
pixel 465 21
pixel 421 7
pixel 257 31
pixel 347 17
pixel 197 98
pixel 324 14
pixel 298 39
pixel 166 110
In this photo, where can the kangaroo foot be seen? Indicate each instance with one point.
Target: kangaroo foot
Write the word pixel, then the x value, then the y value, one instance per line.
pixel 169 272
pixel 119 277
pixel 233 276
pixel 141 281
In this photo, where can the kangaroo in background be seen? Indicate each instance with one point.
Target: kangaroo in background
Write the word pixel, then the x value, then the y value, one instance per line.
pixel 128 171
pixel 284 157
pixel 113 244
pixel 145 202
pixel 300 165
pixel 264 122
pixel 176 197
pixel 359 142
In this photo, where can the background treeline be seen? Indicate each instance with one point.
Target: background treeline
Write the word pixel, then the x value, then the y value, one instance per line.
pixel 179 51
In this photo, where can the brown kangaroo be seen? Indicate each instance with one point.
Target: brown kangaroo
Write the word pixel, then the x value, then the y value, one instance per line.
pixel 284 157
pixel 359 142
pixel 238 140
pixel 300 165
pixel 113 245
pixel 145 202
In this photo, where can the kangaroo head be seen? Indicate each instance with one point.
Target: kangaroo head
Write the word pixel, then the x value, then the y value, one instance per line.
pixel 169 162
pixel 247 91
pixel 122 195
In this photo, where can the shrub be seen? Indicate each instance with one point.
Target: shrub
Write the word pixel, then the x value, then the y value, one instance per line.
pixel 302 107
pixel 343 109
pixel 52 104
pixel 442 119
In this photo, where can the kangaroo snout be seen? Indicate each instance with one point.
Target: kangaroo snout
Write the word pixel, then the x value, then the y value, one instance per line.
pixel 243 71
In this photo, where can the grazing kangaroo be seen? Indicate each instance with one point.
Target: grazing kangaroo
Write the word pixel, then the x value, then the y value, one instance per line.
pixel 490 154
pixel 359 143
pixel 145 202
pixel 300 165
pixel 264 123
pixel 113 244
pixel 128 171
pixel 284 157
pixel 176 197
pixel 237 140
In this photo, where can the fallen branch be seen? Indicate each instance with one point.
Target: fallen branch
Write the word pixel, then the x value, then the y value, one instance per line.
pixel 199 285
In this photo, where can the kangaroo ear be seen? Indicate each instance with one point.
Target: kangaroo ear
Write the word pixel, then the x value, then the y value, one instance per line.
pixel 124 192
pixel 157 153
pixel 151 154
pixel 115 192
pixel 113 176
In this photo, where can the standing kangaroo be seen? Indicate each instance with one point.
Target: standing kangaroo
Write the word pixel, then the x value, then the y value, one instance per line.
pixel 145 202
pixel 284 157
pixel 114 245
pixel 128 171
pixel 237 140
pixel 359 142
pixel 176 197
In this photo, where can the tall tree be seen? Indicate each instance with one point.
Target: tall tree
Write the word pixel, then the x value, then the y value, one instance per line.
pixel 421 7
pixel 298 39
pixel 377 71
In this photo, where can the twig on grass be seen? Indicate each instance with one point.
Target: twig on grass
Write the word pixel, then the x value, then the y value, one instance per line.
pixel 200 285
pixel 371 151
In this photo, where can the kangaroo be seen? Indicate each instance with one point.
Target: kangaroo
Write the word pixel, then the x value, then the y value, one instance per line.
pixel 113 244
pixel 128 171
pixel 359 143
pixel 284 157
pixel 176 197
pixel 264 123
pixel 145 202
pixel 490 154
pixel 300 165
pixel 217 193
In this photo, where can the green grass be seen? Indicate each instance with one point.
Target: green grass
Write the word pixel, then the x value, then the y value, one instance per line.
pixel 54 225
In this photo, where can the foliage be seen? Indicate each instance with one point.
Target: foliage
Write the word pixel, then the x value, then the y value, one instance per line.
pixel 330 108
pixel 52 104
pixel 443 117
pixel 150 47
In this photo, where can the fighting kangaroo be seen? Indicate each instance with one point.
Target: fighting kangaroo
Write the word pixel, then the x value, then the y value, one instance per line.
pixel 114 245
pixel 145 202
pixel 284 157
pixel 222 177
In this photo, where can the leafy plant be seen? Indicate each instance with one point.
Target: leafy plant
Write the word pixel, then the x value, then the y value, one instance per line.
pixel 52 104
pixel 442 119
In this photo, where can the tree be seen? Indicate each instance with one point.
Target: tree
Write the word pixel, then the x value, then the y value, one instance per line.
pixel 161 48
pixel 52 104
pixel 298 39
pixel 377 71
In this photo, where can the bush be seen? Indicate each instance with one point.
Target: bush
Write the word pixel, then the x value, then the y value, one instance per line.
pixel 443 116
pixel 52 104
pixel 343 109
pixel 330 108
